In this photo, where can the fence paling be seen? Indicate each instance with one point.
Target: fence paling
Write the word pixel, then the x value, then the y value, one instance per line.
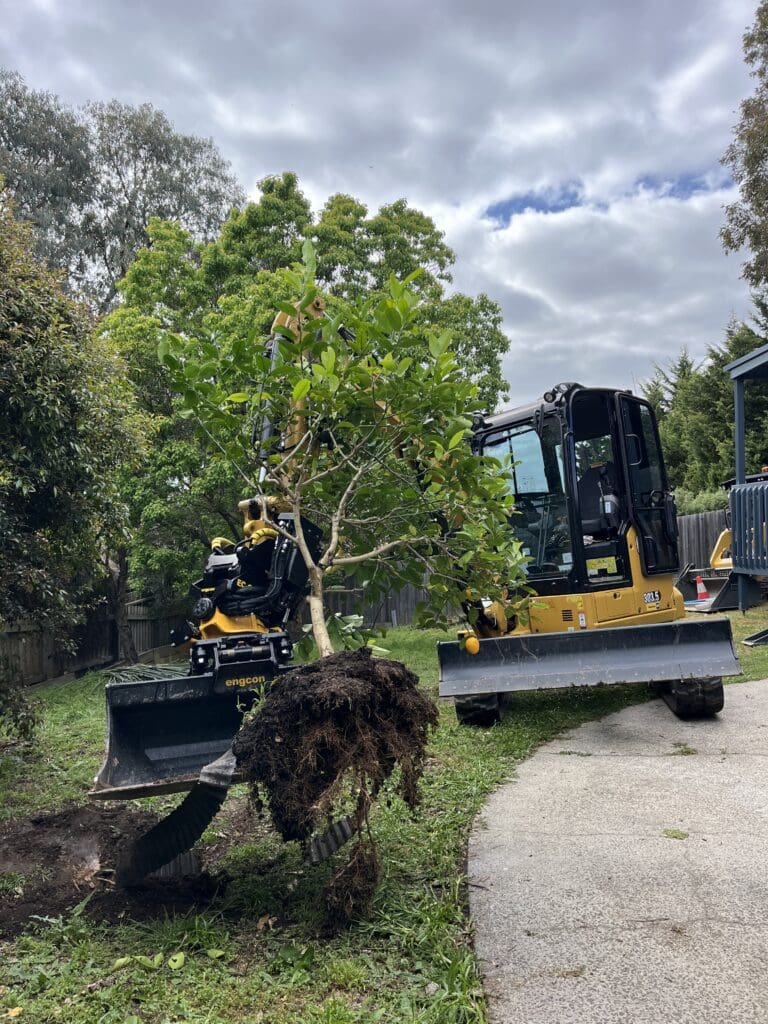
pixel 698 534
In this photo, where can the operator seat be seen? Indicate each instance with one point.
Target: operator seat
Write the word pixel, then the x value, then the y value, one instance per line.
pixel 596 481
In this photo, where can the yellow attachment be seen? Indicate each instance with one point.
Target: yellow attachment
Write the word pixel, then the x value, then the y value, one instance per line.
pixel 225 625
pixel 264 508
pixel 256 531
pixel 718 559
pixel 223 544
pixel 314 311
pixel 494 620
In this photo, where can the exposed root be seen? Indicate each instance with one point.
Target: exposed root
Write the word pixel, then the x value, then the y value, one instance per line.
pixel 349 892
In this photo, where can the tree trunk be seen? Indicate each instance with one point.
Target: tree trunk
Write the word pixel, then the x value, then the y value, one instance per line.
pixel 118 593
pixel 317 613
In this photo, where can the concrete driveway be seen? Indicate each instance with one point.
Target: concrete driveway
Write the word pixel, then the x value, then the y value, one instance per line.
pixel 622 876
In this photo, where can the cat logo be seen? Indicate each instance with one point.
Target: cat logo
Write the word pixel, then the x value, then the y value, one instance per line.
pixel 246 681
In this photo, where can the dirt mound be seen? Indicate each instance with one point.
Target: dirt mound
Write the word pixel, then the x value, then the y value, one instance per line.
pixel 51 862
pixel 346 719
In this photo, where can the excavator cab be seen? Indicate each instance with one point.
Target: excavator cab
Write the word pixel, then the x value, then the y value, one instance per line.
pixel 598 527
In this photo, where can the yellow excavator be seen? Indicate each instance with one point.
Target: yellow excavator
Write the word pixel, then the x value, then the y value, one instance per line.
pixel 598 525
pixel 598 528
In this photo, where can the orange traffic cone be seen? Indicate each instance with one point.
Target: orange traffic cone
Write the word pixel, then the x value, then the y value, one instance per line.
pixel 702 594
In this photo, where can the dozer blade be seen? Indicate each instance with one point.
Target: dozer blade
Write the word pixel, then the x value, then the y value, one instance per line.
pixel 681 650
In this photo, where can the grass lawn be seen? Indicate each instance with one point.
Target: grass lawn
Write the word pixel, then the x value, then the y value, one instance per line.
pixel 255 954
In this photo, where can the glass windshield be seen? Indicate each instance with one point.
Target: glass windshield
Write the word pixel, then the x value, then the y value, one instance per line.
pixel 538 484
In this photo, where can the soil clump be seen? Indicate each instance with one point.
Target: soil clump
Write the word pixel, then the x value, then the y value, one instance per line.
pixel 347 716
pixel 323 743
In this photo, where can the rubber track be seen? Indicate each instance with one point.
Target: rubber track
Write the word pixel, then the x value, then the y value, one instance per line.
pixel 322 847
pixel 694 698
pixel 181 829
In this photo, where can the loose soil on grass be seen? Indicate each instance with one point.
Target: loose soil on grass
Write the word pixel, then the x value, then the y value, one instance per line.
pixel 329 734
pixel 51 862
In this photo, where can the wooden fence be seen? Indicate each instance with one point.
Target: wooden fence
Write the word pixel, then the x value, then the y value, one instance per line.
pixel 698 534
pixel 397 608
pixel 35 657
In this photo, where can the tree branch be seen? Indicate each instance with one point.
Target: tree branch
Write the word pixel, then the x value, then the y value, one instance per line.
pixel 381 550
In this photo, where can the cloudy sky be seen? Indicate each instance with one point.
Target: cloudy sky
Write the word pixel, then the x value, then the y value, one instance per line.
pixel 570 152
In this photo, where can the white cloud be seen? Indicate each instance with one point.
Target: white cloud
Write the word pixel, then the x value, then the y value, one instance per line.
pixel 459 107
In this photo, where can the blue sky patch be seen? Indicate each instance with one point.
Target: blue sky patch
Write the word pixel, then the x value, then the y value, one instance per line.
pixel 548 201
pixel 683 186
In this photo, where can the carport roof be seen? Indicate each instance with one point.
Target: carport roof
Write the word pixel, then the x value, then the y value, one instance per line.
pixel 752 366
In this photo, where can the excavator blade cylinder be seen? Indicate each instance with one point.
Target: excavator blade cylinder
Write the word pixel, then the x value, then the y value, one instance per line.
pixel 682 650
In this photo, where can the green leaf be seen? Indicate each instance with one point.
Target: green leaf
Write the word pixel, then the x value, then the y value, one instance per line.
pixel 308 255
pixel 176 961
pixel 148 962
pixel 456 440
pixel 413 275
pixel 301 389
pixel 328 359
pixel 215 954
pixel 122 961
pixel 438 344
pixel 675 833
pixel 238 397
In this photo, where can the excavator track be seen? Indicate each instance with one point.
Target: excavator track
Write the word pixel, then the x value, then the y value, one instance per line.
pixel 693 698
pixel 180 830
pixel 335 836
pixel 479 709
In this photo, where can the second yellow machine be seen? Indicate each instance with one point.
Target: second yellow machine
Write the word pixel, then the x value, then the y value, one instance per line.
pixel 598 525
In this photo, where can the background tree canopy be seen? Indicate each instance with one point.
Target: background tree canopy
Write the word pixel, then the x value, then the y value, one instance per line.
pixel 149 226
pixel 695 409
pixel 68 426
pixel 88 180
pixel 747 159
